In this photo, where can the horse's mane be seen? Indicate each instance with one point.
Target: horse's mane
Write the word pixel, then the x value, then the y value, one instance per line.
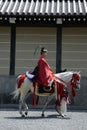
pixel 66 76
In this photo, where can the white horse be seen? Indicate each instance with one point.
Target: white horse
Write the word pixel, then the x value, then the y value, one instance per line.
pixel 65 83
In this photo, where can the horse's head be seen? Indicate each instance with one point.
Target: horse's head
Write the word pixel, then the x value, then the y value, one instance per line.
pixel 75 82
pixel 70 79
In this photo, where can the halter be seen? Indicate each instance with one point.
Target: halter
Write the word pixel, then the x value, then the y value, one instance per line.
pixel 75 79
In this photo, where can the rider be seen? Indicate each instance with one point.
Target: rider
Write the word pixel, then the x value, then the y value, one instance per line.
pixel 45 74
pixel 42 73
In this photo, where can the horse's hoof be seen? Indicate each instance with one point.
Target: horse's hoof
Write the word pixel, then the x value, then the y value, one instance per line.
pixel 42 115
pixel 26 113
pixel 62 115
pixel 22 115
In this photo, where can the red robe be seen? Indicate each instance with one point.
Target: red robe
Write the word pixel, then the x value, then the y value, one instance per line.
pixel 45 74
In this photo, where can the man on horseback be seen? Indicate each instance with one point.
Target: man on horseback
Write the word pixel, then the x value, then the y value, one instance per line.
pixel 46 83
pixel 42 74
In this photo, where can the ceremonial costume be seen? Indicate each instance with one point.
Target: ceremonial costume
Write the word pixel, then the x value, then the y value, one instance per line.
pixel 45 73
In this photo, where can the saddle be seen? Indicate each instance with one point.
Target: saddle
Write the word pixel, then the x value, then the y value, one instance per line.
pixel 46 89
pixel 41 89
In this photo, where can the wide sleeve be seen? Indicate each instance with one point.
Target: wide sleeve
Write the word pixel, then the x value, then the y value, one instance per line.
pixel 45 72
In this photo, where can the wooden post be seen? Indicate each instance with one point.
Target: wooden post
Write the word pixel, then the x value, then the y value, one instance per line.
pixel 59 48
pixel 12 49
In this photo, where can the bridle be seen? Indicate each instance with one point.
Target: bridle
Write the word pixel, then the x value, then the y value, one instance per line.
pixel 72 84
pixel 75 79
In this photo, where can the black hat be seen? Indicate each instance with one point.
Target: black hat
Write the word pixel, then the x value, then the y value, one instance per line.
pixel 43 50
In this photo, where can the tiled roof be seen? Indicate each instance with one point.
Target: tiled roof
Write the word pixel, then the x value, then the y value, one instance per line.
pixel 43 7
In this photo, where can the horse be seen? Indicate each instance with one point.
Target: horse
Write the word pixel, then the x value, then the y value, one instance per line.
pixel 66 84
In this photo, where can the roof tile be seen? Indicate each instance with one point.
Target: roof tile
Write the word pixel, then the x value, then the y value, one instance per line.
pixel 43 7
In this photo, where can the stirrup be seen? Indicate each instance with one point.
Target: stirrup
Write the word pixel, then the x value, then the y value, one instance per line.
pixel 47 89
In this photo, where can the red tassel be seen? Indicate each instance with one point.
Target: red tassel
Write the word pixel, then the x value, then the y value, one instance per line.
pixel 33 97
pixel 58 102
pixel 33 102
pixel 37 100
pixel 73 92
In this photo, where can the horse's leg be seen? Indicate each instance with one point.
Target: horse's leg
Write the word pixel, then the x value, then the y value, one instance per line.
pixel 58 109
pixel 62 108
pixel 21 107
pixel 24 103
pixel 26 109
pixel 45 106
pixel 21 104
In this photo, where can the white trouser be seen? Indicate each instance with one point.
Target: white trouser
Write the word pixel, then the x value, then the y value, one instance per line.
pixel 30 76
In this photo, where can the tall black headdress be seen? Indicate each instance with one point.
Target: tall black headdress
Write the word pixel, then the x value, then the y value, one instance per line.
pixel 43 50
pixel 40 47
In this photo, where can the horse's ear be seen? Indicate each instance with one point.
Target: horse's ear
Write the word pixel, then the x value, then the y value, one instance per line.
pixel 76 73
pixel 79 72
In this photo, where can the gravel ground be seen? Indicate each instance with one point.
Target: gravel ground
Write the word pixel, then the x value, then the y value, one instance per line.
pixel 11 120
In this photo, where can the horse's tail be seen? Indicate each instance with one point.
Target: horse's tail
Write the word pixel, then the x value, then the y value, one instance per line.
pixel 16 92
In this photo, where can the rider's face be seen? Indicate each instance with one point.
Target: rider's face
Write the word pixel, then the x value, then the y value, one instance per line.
pixel 44 54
